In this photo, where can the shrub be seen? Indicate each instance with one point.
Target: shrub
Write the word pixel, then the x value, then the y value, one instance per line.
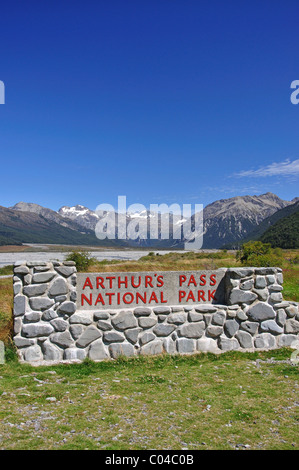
pixel 82 259
pixel 256 253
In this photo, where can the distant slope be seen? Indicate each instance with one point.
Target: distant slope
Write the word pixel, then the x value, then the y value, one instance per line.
pixel 18 227
pixel 284 233
pixel 265 225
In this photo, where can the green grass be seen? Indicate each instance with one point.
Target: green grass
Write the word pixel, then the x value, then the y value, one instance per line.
pixel 166 402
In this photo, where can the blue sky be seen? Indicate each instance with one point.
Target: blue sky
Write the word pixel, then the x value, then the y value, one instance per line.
pixel 162 101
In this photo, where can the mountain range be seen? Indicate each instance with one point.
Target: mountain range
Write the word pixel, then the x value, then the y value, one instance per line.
pixel 226 223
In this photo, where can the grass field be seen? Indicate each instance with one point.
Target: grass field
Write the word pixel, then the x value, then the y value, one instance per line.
pixel 229 401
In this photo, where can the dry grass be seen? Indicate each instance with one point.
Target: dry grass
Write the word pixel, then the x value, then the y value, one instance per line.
pixel 6 305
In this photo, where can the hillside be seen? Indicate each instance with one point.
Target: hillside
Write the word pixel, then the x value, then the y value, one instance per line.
pixel 284 233
pixel 18 227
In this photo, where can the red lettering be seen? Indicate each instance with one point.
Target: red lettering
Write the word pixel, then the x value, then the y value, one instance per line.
pixel 118 298
pixel 131 298
pixel 191 296
pixel 148 281
pixel 182 279
pixel 153 297
pixel 125 282
pixel 211 294
pixel 162 298
pixel 182 294
pixel 202 280
pixel 201 295
pixel 160 282
pixel 110 280
pixel 87 283
pixel 110 294
pixel 212 279
pixel 132 281
pixel 100 282
pixel 100 300
pixel 192 281
pixel 138 296
pixel 83 297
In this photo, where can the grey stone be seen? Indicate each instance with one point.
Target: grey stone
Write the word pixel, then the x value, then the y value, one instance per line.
pixel 285 341
pixel 177 318
pixel 49 315
pixel 51 352
pixel 35 290
pixel 34 330
pixel 237 273
pixel 73 296
pixel 218 318
pixel 177 309
pixel 32 317
pixel 276 297
pixel 239 296
pixel 292 326
pixel 69 263
pixel 163 329
pixel 275 288
pixel 283 304
pixel 90 334
pixel 264 341
pixel 33 354
pixel 100 316
pixel 146 338
pixel 185 345
pixel 17 288
pixel 124 320
pixel 228 344
pixel 241 315
pixel 20 303
pixel 169 345
pixel 270 279
pixel 21 270
pixel 40 303
pixel 97 351
pixel 245 339
pixel 231 327
pixel 262 293
pixel 163 310
pixel 192 330
pixel 207 319
pixel 153 348
pixel 231 313
pixel 104 325
pixel 195 316
pixel 123 349
pixel 142 311
pixel 67 307
pixel 205 309
pixel 21 342
pixel 59 324
pixel 291 310
pixel 260 312
pixel 27 279
pixel 162 318
pixel 247 285
pixel 65 271
pixel 249 327
pixel 207 345
pixel 43 277
pixel 60 298
pixel 84 318
pixel 147 322
pixel 260 282
pixel 64 339
pixel 279 278
pixel 272 327
pixel 76 330
pixel 132 334
pixel 281 317
pixel 214 331
pixel 59 287
pixel 113 337
pixel 74 354
pixel 17 325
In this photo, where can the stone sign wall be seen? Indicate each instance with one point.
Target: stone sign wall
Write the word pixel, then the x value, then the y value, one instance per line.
pixel 246 312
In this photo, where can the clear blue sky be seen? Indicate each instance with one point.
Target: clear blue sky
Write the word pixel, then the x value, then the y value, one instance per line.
pixel 159 100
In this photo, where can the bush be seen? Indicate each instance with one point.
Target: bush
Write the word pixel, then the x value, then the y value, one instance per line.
pixel 82 259
pixel 256 253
